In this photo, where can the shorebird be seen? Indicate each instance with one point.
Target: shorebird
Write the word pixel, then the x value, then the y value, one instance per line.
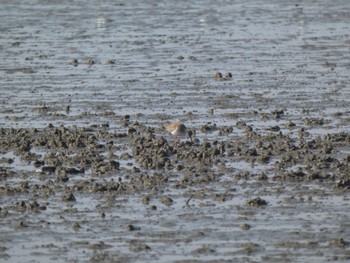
pixel 178 129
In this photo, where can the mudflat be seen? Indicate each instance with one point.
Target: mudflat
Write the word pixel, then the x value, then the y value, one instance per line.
pixel 89 174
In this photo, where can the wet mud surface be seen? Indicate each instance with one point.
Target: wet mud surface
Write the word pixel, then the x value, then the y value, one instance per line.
pixel 88 173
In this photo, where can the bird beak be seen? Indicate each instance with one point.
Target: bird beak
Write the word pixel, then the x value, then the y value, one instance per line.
pixel 190 133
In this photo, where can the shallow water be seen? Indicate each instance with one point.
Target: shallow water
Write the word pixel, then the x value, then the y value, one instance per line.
pixel 156 62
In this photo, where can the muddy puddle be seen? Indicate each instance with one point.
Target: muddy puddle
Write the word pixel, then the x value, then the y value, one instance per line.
pixel 88 174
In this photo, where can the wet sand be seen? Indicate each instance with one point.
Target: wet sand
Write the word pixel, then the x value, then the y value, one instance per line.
pixel 88 174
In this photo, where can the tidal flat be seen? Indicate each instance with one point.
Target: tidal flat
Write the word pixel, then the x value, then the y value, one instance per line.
pixel 88 173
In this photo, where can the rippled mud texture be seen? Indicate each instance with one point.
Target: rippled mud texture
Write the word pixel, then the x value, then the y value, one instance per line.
pixel 88 174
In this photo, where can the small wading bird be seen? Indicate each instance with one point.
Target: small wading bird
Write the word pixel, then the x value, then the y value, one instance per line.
pixel 178 129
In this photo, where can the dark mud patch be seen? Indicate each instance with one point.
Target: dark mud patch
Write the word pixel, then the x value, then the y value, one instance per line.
pixel 70 185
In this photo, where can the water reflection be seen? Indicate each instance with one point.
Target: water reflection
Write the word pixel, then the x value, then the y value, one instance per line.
pixel 101 23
